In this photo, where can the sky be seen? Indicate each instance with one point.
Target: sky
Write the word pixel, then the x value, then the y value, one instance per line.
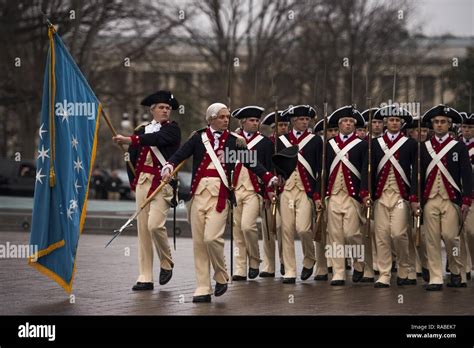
pixel 446 16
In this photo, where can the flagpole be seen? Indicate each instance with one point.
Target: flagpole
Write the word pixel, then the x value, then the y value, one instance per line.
pixel 52 94
pixel 114 133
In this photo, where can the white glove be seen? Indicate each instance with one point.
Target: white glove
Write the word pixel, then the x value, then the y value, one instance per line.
pixel 273 181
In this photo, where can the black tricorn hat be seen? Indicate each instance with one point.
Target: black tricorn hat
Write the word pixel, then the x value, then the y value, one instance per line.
pixel 285 161
pixel 299 110
pixel 269 119
pixel 467 119
pixel 161 97
pixel 365 113
pixel 393 111
pixel 247 112
pixel 346 111
pixel 318 127
pixel 442 110
pixel 414 124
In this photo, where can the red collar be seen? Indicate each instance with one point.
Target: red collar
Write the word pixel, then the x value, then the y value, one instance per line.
pixel 211 136
pixel 294 140
pixel 437 145
pixel 342 144
pixel 254 135
pixel 391 142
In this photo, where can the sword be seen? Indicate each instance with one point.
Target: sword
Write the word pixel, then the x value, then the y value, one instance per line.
pixel 143 205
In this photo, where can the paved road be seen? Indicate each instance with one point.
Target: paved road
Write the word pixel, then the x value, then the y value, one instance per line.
pixel 104 279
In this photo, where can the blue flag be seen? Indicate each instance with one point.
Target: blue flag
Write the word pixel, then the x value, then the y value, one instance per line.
pixel 67 145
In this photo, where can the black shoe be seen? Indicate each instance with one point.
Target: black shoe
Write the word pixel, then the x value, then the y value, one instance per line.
pixel 367 280
pixel 289 280
pixel 425 273
pixel 253 273
pixel 338 282
pixel 419 275
pixel 394 267
pixel 455 281
pixel 237 278
pixel 282 269
pixel 220 289
pixel 306 273
pixel 410 282
pixel 139 286
pixel 376 272
pixel 267 275
pixel 380 285
pixel 330 270
pixel 321 277
pixel 165 276
pixel 402 281
pixel 202 299
pixel 357 276
pixel 434 287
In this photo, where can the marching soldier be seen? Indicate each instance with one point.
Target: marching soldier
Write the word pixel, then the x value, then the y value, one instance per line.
pixel 446 196
pixel 412 130
pixel 377 125
pixel 150 147
pixel 347 181
pixel 249 193
pixel 370 246
pixel 322 263
pixel 417 256
pixel 299 192
pixel 394 156
pixel 331 131
pixel 214 150
pixel 467 138
pixel 268 235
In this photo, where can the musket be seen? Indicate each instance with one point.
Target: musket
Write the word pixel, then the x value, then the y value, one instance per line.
pixel 144 204
pixel 461 228
pixel 419 212
pixel 368 211
pixel 231 216
pixel 175 204
pixel 274 203
pixel 320 223
pixel 231 182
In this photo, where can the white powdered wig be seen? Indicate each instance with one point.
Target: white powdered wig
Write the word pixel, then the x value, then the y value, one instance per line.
pixel 213 110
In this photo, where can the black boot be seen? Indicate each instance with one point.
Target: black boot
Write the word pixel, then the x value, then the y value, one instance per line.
pixel 139 286
pixel 165 276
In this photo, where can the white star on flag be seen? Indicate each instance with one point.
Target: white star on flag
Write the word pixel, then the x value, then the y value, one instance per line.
pixel 39 176
pixel 74 142
pixel 78 165
pixel 73 204
pixel 63 114
pixel 41 131
pixel 77 186
pixel 43 153
pixel 69 213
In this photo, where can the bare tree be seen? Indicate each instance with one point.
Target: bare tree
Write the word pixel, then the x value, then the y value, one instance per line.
pixel 250 35
pixel 99 34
